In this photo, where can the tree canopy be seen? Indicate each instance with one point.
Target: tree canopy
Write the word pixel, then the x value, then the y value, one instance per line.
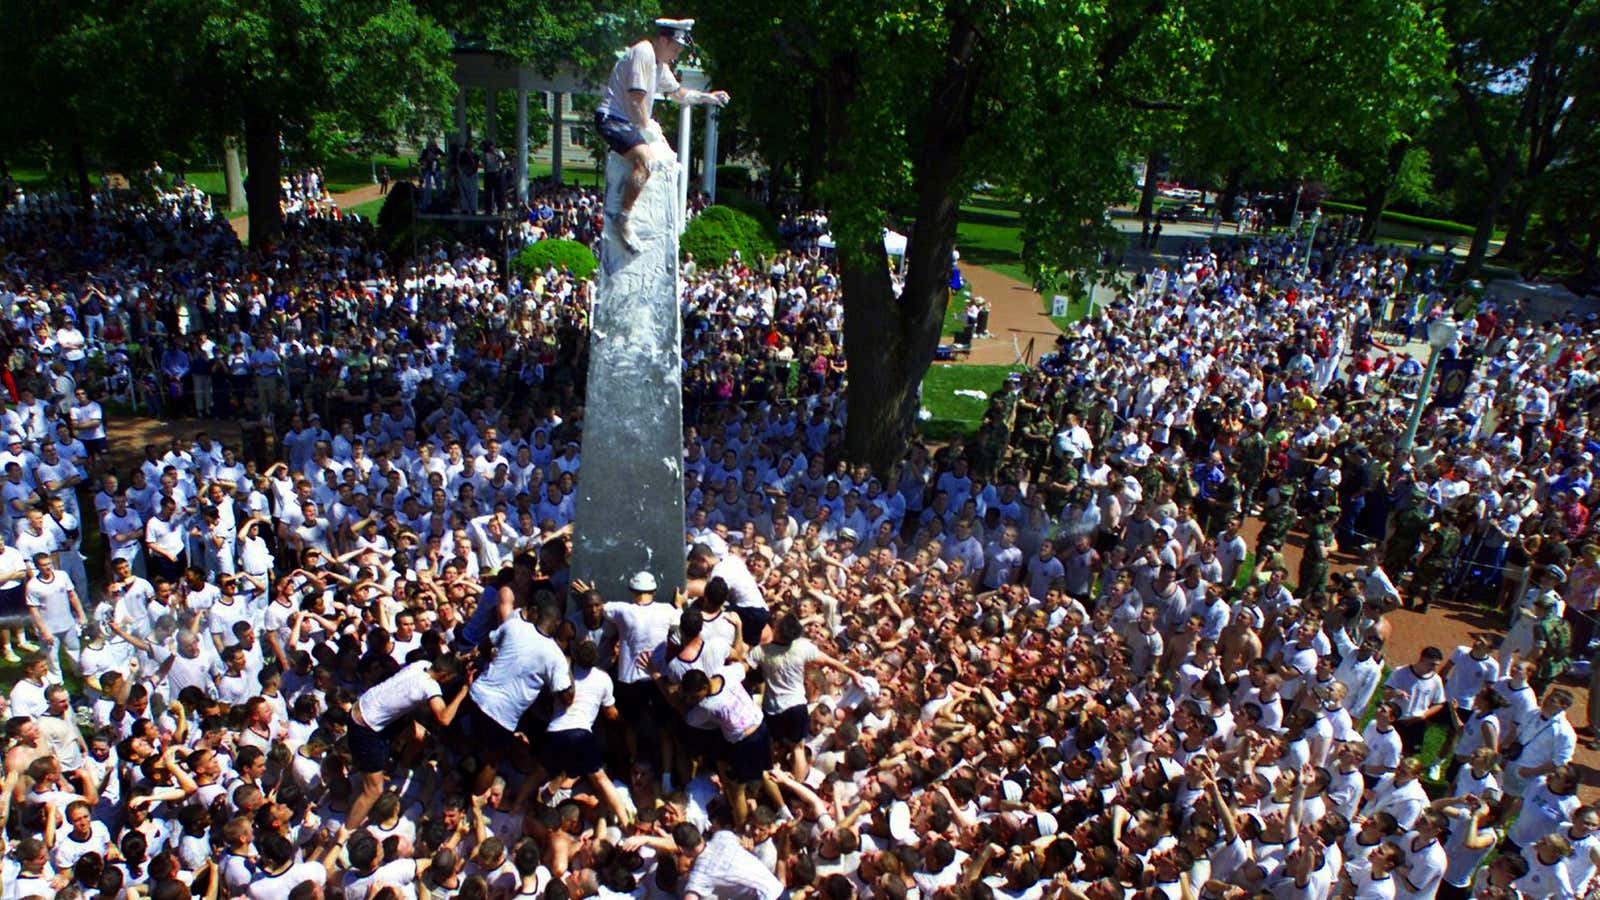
pixel 895 111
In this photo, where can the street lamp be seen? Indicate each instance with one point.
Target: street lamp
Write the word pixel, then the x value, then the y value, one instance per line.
pixel 1441 334
pixel 1316 219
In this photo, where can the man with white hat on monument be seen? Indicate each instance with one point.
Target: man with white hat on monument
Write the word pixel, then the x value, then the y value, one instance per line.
pixel 623 117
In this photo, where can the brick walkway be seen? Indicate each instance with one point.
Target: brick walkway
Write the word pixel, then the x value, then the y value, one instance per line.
pixel 347 200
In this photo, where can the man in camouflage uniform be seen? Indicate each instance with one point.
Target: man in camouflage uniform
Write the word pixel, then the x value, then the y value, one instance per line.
pixel 1032 450
pixel 1250 459
pixel 1277 520
pixel 1406 530
pixel 1224 502
pixel 1150 479
pixel 1314 564
pixel 1439 549
pixel 1552 644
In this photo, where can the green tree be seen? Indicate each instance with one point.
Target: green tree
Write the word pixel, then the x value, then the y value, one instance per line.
pixel 83 85
pixel 1526 75
pixel 307 76
pixel 902 107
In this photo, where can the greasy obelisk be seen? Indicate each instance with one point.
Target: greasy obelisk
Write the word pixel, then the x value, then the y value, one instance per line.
pixel 630 506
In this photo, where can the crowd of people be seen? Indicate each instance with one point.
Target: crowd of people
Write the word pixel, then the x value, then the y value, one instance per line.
pixel 342 654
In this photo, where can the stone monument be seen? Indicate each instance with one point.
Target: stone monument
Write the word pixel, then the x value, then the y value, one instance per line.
pixel 630 506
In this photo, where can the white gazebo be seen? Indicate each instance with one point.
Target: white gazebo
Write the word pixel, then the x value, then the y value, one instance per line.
pixel 495 72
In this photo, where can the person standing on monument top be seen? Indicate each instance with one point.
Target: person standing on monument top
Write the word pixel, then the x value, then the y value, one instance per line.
pixel 623 117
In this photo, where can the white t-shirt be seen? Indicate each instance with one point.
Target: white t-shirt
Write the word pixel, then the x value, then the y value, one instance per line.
pixel 640 629
pixel 742 587
pixel 394 699
pixel 730 709
pixel 727 871
pixel 784 669
pixel 87 413
pixel 525 663
pixel 1421 693
pixel 114 525
pixel 402 873
pixel 165 536
pixel 1424 869
pixel 637 70
pixel 69 849
pixel 278 887
pixel 11 560
pixel 591 692
pixel 53 599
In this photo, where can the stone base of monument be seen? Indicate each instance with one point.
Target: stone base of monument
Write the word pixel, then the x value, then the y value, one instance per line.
pixel 630 507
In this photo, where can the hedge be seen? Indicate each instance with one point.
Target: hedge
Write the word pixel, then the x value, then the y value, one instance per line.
pixel 538 257
pixel 733 177
pixel 715 234
pixel 1400 218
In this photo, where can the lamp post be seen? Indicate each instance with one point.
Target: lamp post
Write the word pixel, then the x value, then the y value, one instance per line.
pixel 1311 242
pixel 1441 334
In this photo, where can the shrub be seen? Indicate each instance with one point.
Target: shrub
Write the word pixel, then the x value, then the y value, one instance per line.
pixel 1443 226
pixel 570 255
pixel 733 178
pixel 715 234
pixel 398 228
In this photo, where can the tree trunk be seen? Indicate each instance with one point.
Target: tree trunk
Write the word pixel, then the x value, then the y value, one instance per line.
pixel 261 182
pixel 884 370
pixel 80 167
pixel 1230 192
pixel 1377 196
pixel 818 133
pixel 232 172
pixel 1377 200
pixel 889 342
pixel 1512 247
pixel 1147 197
pixel 1492 200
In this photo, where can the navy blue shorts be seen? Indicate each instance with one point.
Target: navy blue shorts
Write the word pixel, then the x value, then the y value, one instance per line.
pixel 751 757
pixel 792 726
pixel 640 702
pixel 490 736
pixel 369 750
pixel 752 621
pixel 704 744
pixel 574 753
pixel 619 134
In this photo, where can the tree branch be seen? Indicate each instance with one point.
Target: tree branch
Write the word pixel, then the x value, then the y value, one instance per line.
pixel 1121 42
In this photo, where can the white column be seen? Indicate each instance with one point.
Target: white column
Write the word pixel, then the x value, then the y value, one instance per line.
pixel 708 159
pixel 685 134
pixel 461 113
pixel 522 145
pixel 557 136
pixel 490 104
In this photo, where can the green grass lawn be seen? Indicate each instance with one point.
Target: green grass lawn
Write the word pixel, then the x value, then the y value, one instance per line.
pixel 369 209
pixel 955 415
pixel 989 234
pixel 955 313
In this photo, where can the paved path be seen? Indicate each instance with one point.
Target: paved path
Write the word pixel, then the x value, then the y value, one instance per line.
pixel 347 200
pixel 1016 317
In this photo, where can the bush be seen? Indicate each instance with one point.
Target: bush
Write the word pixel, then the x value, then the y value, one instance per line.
pixel 570 255
pixel 715 234
pixel 398 228
pixel 733 178
pixel 1399 218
